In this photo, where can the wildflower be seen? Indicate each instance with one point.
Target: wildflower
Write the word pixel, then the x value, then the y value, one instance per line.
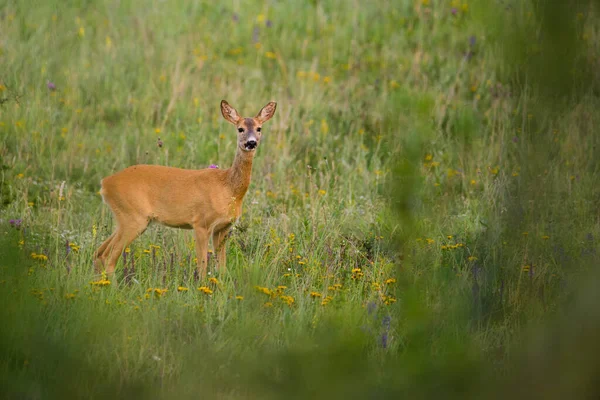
pixel 74 247
pixel 289 300
pixel 324 127
pixel 545 237
pixel 81 31
pixel 268 304
pixel 70 296
pixel 270 54
pixel 16 223
pixel 40 257
pixel 51 86
pixel 357 273
pixel 315 294
pixel 326 300
pixel 213 280
pixel 182 289
pixel 205 290
pixel 429 241
pixel 159 143
pixel 322 192
pixel 20 176
pixel 102 282
pixel 213 166
pixel 326 79
pixel 264 290
pixel 239 297
pixel 159 292
pixel 472 258
pixel 281 288
pixel 387 300
pixel 390 281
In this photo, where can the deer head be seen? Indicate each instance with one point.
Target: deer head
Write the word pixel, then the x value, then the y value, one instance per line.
pixel 249 129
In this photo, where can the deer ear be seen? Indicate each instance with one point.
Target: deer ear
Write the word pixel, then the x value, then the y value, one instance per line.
pixel 229 113
pixel 267 112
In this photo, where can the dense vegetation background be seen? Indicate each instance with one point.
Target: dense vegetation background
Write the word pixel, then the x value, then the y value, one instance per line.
pixel 422 219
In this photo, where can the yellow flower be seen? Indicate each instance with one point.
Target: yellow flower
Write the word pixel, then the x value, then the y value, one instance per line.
pixel 357 273
pixel 390 281
pixel 324 126
pixel 81 31
pixel 239 297
pixel 182 289
pixel 213 280
pixel 472 258
pixel 20 176
pixel 264 290
pixel 40 257
pixel 159 292
pixel 315 294
pixel 326 79
pixel 270 54
pixel 429 241
pixel 545 237
pixel 289 300
pixel 205 290
pixel 322 192
pixel 268 304
pixel 70 296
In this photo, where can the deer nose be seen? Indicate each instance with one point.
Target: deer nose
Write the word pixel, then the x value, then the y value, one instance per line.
pixel 251 144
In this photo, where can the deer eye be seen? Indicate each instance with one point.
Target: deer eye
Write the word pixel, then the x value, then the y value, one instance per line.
pixel 240 130
pixel 257 129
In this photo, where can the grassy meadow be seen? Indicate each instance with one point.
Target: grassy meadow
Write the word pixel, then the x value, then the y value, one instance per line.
pixel 422 219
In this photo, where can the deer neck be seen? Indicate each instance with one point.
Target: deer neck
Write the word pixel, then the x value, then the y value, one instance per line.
pixel 240 173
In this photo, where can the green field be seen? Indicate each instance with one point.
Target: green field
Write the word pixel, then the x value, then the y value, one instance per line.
pixel 421 223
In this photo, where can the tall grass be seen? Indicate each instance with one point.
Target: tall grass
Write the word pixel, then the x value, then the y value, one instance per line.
pixel 422 200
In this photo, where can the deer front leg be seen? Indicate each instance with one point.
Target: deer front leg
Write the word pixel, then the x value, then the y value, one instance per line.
pixel 201 249
pixel 219 242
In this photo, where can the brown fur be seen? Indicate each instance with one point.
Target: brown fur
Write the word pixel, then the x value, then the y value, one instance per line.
pixel 206 200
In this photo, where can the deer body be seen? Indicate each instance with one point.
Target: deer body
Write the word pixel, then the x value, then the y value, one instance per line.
pixel 207 200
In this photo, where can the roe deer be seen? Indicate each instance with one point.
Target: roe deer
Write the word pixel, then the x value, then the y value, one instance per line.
pixel 206 200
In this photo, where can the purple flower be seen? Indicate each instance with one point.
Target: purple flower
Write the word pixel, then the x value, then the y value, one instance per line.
pixel 213 166
pixel 454 11
pixel 269 23
pixel 384 340
pixel 255 34
pixel 472 40
pixel 50 85
pixel 16 223
pixel 159 143
pixel 371 307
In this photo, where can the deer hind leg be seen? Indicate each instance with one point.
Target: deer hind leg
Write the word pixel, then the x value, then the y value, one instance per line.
pixel 219 241
pixel 98 260
pixel 126 232
pixel 201 234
